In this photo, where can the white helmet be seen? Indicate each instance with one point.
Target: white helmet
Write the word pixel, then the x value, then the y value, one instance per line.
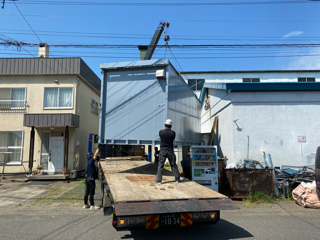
pixel 168 122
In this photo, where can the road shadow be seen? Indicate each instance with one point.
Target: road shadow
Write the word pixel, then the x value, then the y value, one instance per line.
pixel 222 230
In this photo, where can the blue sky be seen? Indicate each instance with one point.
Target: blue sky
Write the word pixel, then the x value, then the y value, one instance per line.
pixel 97 23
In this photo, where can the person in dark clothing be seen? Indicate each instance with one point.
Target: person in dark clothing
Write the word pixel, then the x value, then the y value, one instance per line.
pixel 156 156
pixel 167 137
pixel 91 174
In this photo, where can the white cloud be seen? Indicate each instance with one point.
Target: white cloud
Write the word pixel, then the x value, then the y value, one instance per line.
pixel 292 34
pixel 305 62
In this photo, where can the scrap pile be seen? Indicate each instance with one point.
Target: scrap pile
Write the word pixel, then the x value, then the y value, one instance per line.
pixel 285 179
pixel 289 177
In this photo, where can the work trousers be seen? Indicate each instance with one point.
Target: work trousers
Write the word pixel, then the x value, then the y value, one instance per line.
pixel 172 160
pixel 90 190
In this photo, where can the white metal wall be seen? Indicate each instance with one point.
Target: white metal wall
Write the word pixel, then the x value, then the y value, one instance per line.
pixel 183 110
pixel 272 120
pixel 135 105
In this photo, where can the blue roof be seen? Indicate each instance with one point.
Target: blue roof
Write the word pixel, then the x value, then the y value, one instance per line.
pixel 261 87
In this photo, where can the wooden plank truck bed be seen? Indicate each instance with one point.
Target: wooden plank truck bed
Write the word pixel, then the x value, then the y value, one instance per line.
pixel 137 202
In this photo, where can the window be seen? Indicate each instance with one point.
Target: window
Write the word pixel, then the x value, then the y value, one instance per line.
pixel 250 79
pixel 94 106
pixel 58 98
pixel 306 79
pixel 12 98
pixel 196 84
pixel 11 145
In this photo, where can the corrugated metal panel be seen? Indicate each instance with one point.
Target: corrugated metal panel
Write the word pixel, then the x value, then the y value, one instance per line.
pixel 88 75
pixel 49 120
pixel 49 66
pixel 181 102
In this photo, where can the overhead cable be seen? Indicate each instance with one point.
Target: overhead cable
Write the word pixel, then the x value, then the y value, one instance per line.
pixel 172 20
pixel 162 4
pixel 218 46
pixel 124 57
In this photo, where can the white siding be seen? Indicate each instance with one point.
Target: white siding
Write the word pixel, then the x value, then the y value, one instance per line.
pixel 273 121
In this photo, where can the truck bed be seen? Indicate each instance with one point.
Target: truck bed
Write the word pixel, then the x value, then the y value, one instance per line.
pixel 131 184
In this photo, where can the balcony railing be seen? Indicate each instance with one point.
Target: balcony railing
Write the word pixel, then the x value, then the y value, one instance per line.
pixel 12 104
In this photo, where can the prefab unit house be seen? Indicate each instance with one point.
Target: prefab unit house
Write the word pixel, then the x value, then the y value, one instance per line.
pixel 136 99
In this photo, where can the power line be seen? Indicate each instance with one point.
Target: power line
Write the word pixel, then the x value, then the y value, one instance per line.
pixel 124 57
pixel 185 53
pixel 41 41
pixel 159 4
pixel 191 46
pixel 91 35
pixel 148 35
pixel 171 20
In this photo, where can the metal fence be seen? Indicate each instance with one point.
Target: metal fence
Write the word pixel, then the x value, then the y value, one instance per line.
pixel 12 104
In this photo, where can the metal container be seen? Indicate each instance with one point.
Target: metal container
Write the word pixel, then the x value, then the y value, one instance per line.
pixel 136 99
pixel 239 182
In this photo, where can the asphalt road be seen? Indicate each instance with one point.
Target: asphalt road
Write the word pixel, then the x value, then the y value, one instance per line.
pixel 13 193
pixel 284 220
pixel 20 218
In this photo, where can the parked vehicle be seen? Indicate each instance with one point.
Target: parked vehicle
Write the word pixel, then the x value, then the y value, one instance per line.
pixel 136 98
pixel 317 172
pixel 135 201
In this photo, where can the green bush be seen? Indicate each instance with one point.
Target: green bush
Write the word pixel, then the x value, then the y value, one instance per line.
pixel 289 195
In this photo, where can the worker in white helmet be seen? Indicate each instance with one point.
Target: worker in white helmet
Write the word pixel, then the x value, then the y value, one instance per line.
pixel 167 137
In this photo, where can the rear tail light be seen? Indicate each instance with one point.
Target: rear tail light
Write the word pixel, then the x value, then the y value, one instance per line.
pixel 131 221
pixel 205 216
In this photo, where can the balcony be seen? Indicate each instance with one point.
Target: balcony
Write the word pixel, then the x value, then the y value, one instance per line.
pixel 12 104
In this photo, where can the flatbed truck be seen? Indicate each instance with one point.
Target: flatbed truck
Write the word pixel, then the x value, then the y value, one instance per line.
pixel 136 202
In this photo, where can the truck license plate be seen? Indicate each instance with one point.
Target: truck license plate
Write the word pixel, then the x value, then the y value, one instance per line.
pixel 170 220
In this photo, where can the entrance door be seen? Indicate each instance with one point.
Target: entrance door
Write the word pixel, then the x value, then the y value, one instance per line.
pixel 44 160
pixel 56 154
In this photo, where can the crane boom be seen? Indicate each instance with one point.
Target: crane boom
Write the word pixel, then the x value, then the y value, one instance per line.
pixel 155 39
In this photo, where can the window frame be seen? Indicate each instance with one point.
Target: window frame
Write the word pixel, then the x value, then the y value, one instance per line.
pixel 25 98
pixel 306 79
pixel 196 84
pixel 11 100
pixel 250 80
pixel 15 147
pixel 94 105
pixel 43 102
